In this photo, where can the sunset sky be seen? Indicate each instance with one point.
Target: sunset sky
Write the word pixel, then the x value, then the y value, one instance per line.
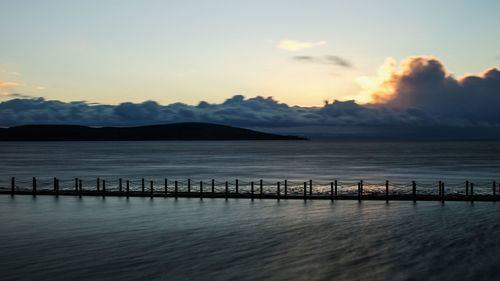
pixel 299 52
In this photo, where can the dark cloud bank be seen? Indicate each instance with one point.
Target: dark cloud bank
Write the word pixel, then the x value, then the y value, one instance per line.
pixel 425 102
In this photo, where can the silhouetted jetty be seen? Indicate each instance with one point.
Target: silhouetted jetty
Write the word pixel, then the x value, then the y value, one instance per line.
pixel 259 189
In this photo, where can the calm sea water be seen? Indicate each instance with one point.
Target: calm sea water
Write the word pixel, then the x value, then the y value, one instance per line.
pixel 94 238
pixel 66 238
pixel 322 161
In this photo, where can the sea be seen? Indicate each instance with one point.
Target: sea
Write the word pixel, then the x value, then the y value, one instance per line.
pixel 139 238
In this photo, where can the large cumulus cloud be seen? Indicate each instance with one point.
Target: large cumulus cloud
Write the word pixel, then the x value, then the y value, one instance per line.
pixel 421 98
pixel 423 83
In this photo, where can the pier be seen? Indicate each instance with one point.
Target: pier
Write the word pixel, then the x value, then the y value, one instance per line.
pixel 259 189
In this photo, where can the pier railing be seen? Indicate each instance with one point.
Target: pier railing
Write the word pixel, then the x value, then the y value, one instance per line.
pixel 284 189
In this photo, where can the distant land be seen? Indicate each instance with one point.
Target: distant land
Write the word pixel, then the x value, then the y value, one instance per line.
pixel 176 131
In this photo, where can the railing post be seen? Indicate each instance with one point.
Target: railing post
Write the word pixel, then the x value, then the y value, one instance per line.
pixel 103 188
pixel 166 187
pixel 414 190
pixel 152 189
pixel 286 188
pixel 227 189
pixel 142 185
pixel 176 189
pixel 361 187
pixel 466 188
pixel 359 190
pixel 472 191
pixel 386 190
pixel 76 184
pixel 98 184
pixel 251 190
pixel 34 186
pixel 305 190
pixel 213 186
pixel 310 187
pixel 80 188
pixel 440 189
pixel 57 187
pixel 128 188
pixel 494 189
pixel 189 185
pixel 13 185
pixel 236 186
pixel 261 188
pixel 120 185
pixel 278 190
pixel 201 189
pixel 331 190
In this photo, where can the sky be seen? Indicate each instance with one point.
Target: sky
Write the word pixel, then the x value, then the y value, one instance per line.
pixel 280 66
pixel 113 51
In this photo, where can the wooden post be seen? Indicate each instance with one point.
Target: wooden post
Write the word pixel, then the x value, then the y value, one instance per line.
pixel 331 190
pixel 386 189
pixel 57 187
pixel 494 189
pixel 261 188
pixel 310 187
pixel 361 187
pixel 176 189
pixel 227 189
pixel 201 189
pixel 286 188
pixel 189 185
pixel 80 188
pixel 142 184
pixel 335 188
pixel 13 185
pixel 152 190
pixel 278 190
pixel 103 187
pixel 471 191
pixel 76 184
pixel 98 184
pixel 414 190
pixel 251 190
pixel 34 186
pixel 120 185
pixel 439 188
pixel 213 186
pixel 236 186
pixel 466 188
pixel 305 190
pixel 128 188
pixel 166 187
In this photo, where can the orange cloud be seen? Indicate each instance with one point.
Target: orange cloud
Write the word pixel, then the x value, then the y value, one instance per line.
pixel 389 81
pixel 4 87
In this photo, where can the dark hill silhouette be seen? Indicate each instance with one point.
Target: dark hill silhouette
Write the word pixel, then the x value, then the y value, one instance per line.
pixel 177 131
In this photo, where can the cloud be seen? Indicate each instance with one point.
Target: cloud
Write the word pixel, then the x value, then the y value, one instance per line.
pixel 420 99
pixel 4 83
pixel 40 88
pixel 6 87
pixel 425 84
pixel 328 59
pixel 291 45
